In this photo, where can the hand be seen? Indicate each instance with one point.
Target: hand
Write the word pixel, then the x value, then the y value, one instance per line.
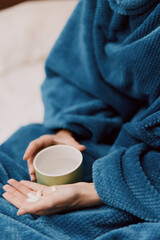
pixel 66 197
pixel 62 137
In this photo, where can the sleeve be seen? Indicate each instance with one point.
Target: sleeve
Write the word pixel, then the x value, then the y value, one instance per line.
pixel 128 178
pixel 68 101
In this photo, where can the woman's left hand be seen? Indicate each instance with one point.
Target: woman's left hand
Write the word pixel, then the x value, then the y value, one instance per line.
pixel 65 198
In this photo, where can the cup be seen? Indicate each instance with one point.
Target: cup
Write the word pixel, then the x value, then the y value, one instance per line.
pixel 58 164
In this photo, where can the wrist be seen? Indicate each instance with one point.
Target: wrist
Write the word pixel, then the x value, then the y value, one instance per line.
pixel 88 196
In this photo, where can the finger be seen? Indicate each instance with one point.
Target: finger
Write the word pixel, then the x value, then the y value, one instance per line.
pixel 47 211
pixel 36 145
pixel 69 140
pixel 32 148
pixel 33 186
pixel 34 208
pixel 19 186
pixel 18 202
pixel 14 199
pixel 11 189
pixel 33 178
pixel 77 145
pixel 31 169
pixel 53 211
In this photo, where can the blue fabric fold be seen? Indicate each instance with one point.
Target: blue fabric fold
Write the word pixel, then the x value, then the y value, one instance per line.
pixel 131 7
pixel 102 83
pixel 127 178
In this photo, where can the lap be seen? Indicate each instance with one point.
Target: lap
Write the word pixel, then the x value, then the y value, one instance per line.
pixel 60 226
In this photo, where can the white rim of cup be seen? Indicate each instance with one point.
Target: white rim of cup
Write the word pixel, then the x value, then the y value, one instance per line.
pixel 56 175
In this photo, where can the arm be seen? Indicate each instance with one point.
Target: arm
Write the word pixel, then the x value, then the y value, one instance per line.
pixel 126 179
pixel 68 102
pixel 72 81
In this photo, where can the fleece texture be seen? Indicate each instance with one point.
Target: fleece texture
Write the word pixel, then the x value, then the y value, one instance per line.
pixel 102 83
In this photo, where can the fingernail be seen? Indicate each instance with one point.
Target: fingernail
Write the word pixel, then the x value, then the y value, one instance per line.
pixel 10 180
pixel 83 146
pixel 25 155
pixel 3 195
pixel 4 186
pixel 21 211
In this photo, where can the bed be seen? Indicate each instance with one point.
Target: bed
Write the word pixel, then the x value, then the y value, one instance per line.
pixel 28 31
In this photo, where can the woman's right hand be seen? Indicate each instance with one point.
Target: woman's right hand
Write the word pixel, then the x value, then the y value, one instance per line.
pixel 62 137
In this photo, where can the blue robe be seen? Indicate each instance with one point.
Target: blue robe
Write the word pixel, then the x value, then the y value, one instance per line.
pixel 102 83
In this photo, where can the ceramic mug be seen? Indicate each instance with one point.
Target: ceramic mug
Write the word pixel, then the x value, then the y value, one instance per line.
pixel 58 164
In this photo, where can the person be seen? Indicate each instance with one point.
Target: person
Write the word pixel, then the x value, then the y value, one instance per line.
pixel 101 95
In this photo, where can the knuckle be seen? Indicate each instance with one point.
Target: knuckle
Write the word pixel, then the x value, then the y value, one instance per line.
pixel 31 168
pixel 31 145
pixel 44 136
pixel 35 144
pixel 51 137
pixel 41 137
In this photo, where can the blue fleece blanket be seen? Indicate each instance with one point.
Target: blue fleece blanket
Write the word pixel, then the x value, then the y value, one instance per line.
pixel 103 83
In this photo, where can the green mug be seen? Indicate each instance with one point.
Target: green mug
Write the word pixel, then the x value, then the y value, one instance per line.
pixel 58 164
